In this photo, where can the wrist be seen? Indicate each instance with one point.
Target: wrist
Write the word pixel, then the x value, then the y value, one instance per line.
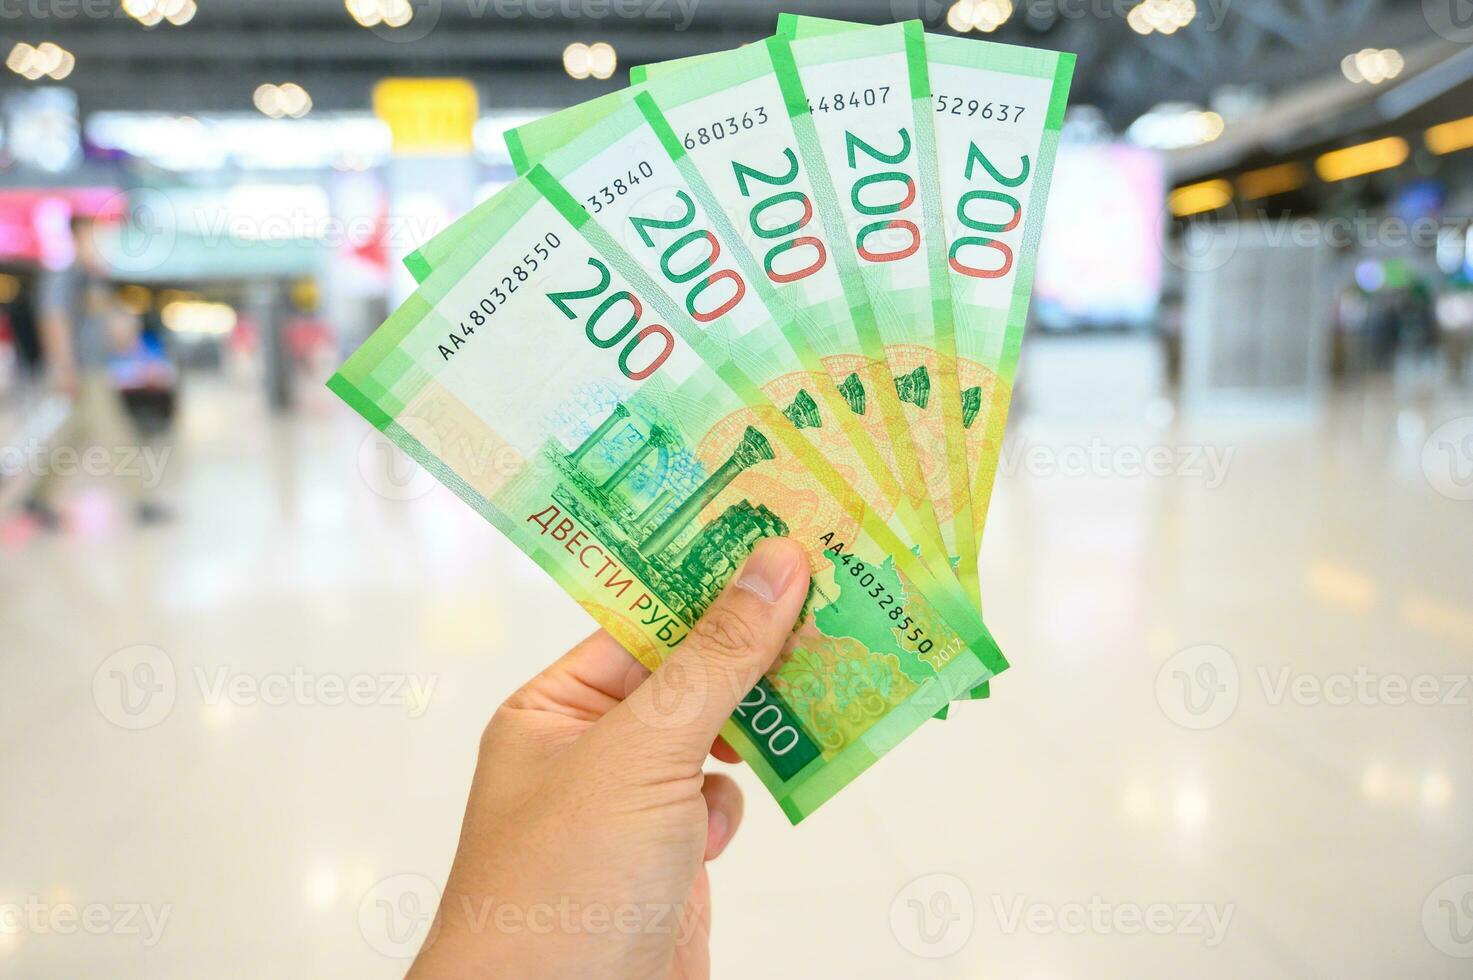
pixel 485 935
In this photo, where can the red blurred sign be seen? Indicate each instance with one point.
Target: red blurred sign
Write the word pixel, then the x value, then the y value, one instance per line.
pixel 35 224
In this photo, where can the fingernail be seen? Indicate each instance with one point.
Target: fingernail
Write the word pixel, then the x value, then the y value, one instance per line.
pixel 770 569
pixel 716 826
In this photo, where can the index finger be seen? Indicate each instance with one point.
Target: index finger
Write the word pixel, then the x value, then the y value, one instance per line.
pixel 587 681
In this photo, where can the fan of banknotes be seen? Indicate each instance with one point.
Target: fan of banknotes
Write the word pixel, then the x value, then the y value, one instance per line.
pixel 778 290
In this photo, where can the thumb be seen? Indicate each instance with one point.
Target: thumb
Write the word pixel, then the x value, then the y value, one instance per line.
pixel 679 709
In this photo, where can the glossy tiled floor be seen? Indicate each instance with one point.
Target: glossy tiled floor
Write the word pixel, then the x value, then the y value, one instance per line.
pixel 1207 760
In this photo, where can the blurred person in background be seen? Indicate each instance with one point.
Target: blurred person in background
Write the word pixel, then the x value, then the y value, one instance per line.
pixel 82 325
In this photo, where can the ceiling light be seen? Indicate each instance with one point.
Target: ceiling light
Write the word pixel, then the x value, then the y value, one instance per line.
pixel 396 13
pixel 989 15
pixel 288 99
pixel 601 60
pixel 1372 65
pixel 371 13
pixel 1175 126
pixel 1450 137
pixel 1161 16
pixel 21 57
pixel 1363 158
pixel 45 59
pixel 1254 185
pixel 978 15
pixel 295 101
pixel 48 57
pixel 1192 199
pixel 283 100
pixel 268 100
pixel 184 14
pixel 68 62
pixel 151 13
pixel 365 12
pixel 578 60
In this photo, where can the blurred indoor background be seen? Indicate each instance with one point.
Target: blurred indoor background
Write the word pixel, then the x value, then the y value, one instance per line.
pixel 246 649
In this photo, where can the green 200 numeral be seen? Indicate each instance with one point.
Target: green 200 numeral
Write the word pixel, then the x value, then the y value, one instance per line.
pixel 911 243
pixel 769 261
pixel 975 157
pixel 642 225
pixel 590 329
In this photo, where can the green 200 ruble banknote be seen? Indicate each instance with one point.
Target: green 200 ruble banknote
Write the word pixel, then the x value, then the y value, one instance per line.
pixel 540 374
pixel 639 161
pixel 998 110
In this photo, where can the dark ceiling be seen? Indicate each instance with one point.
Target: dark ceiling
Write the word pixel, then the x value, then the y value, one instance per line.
pixel 512 48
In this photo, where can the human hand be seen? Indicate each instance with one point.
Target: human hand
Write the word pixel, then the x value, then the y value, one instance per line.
pixel 583 847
